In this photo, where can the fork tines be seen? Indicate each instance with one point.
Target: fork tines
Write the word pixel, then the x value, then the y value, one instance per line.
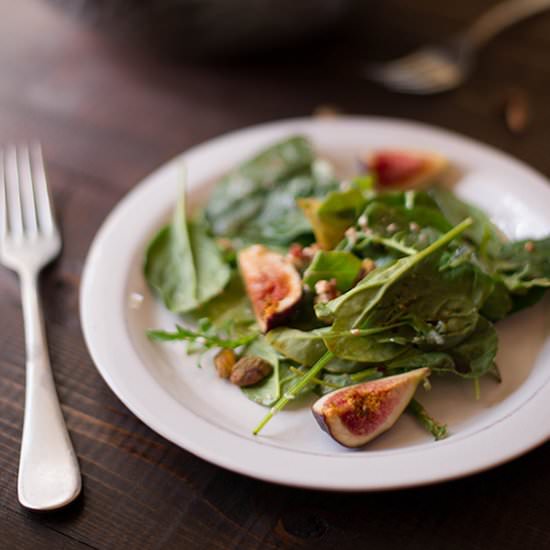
pixel 25 203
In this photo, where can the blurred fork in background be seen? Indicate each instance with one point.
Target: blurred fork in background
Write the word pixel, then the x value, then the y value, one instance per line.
pixel 438 68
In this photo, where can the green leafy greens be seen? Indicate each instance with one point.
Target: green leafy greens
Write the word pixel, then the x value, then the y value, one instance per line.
pixel 183 263
pixel 413 278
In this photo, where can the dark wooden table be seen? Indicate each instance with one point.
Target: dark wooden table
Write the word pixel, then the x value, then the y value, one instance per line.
pixel 107 116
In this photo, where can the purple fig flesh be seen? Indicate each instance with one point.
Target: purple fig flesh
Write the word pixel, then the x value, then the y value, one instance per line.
pixel 355 415
pixel 272 283
pixel 404 169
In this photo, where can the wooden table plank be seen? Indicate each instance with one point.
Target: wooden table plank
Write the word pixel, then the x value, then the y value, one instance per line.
pixel 109 115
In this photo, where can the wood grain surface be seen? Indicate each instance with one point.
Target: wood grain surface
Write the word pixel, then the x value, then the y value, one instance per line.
pixel 107 115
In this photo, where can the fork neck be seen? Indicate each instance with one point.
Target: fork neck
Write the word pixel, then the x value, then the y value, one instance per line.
pixel 496 20
pixel 32 315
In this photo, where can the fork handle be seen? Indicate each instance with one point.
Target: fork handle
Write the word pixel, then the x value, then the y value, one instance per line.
pixel 49 475
pixel 499 18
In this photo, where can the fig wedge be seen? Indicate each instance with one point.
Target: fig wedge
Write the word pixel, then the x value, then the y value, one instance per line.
pixel 355 415
pixel 272 283
pixel 402 169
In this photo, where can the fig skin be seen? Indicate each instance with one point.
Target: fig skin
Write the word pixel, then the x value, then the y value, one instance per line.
pixel 356 414
pixel 272 284
pixel 402 169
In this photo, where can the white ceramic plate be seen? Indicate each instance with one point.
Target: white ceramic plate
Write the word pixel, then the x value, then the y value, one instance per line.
pixel 212 419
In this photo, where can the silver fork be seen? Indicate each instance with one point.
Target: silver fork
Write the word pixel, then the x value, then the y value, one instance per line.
pixel 49 476
pixel 439 68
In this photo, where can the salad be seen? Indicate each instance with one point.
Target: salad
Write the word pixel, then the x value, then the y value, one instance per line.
pixel 355 292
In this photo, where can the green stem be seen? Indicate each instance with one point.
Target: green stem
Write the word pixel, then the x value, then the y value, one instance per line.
pixel 293 392
pixel 495 372
pixel 477 389
pixel 409 199
pixel 314 380
pixel 439 431
pixel 391 243
pixel 446 238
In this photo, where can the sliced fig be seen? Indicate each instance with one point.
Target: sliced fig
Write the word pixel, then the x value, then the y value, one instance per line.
pixel 272 283
pixel 405 169
pixel 355 415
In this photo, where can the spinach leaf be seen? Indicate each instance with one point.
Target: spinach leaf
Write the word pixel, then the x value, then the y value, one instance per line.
pixel 240 196
pixel 451 305
pixel 183 263
pixel 380 216
pixel 344 205
pixel 408 199
pixel 482 232
pixel 337 264
pixel 524 264
pixel 267 391
pixel 231 306
pixel 292 375
pixel 337 381
pixel 471 358
pixel 341 366
pixel 415 227
pixel 304 348
pixel 498 304
pixel 331 216
pixel 283 377
pixel 530 298
pixel 280 221
pixel 379 303
pixel 475 356
pixel 436 361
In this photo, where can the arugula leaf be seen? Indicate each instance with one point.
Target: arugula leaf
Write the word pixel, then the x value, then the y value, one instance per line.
pixel 183 264
pixel 204 338
pixel 336 264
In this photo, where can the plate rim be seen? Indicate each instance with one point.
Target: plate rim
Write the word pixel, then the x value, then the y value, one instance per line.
pixel 144 413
